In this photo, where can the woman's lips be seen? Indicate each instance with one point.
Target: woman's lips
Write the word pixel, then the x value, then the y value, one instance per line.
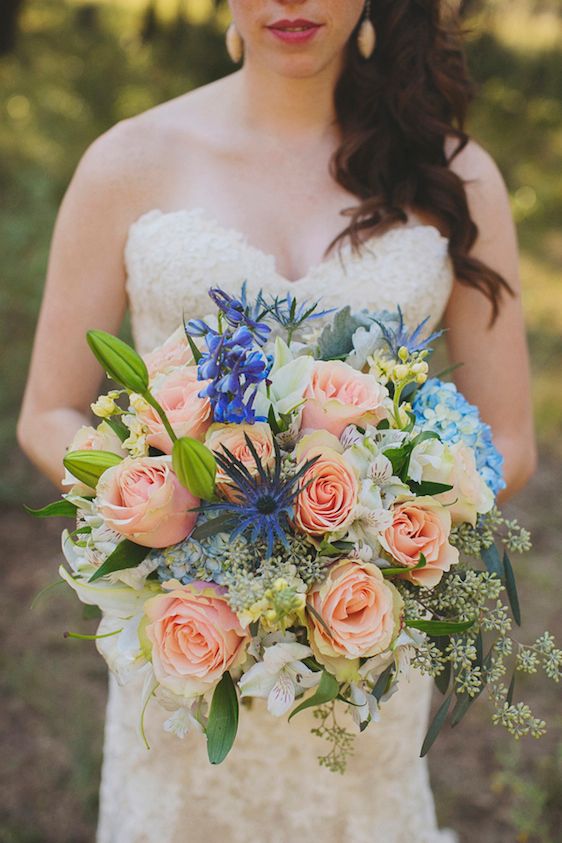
pixel 294 32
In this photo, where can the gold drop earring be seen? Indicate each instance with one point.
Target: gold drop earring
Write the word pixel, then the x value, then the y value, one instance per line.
pixel 367 35
pixel 234 43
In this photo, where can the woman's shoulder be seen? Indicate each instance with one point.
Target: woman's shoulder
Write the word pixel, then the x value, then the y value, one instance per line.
pixel 128 158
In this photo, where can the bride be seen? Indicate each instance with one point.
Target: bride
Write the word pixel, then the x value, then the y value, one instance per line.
pixel 247 179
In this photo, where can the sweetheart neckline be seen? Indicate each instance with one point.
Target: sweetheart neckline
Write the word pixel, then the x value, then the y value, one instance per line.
pixel 370 242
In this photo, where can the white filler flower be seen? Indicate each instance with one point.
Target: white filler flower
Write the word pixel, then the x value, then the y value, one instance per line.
pixel 279 676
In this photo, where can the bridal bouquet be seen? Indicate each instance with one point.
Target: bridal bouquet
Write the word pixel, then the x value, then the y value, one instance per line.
pixel 283 505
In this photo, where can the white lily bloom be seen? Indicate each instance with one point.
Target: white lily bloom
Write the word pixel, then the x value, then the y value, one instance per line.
pixel 114 599
pixel 122 650
pixel 280 676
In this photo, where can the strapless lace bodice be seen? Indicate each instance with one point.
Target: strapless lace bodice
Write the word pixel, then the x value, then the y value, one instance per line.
pixel 173 258
pixel 270 788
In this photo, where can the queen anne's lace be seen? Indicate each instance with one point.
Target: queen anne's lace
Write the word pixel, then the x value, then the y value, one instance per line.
pixel 270 787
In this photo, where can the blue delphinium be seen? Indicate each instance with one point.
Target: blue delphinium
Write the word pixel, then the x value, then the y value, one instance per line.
pixel 241 312
pixel 439 406
pixel 261 507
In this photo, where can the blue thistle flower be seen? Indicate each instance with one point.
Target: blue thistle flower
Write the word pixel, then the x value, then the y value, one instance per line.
pixel 262 507
pixel 399 336
pixel 291 315
pixel 441 407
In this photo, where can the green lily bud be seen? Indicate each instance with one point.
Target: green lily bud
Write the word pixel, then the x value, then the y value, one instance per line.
pixel 195 466
pixel 88 466
pixel 119 360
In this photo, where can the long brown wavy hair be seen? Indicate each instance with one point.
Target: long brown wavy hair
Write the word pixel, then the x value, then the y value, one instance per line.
pixel 395 111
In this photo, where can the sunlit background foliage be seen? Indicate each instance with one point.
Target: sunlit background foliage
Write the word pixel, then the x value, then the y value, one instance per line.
pixel 69 70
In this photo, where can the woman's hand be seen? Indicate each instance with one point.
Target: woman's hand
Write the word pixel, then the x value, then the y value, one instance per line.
pixel 495 372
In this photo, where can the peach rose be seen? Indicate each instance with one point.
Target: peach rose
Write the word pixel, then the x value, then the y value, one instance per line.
pixel 86 438
pixel 420 526
pixel 361 610
pixel 338 395
pixel 232 437
pixel 195 637
pixel 168 356
pixel 329 487
pixel 143 500
pixel 177 393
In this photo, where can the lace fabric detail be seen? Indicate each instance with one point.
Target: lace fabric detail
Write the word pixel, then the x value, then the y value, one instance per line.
pixel 270 788
pixel 173 258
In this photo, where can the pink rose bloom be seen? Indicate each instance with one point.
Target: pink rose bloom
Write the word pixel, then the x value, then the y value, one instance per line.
pixel 420 526
pixel 89 438
pixel 338 395
pixel 362 611
pixel 173 353
pixel 177 394
pixel 195 637
pixel 143 500
pixel 328 489
pixel 232 437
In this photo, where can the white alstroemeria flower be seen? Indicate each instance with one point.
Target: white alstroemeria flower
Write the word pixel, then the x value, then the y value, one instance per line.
pixel 380 470
pixel 369 518
pixel 279 676
pixel 362 551
pixel 364 708
pixel 365 343
pixel 185 718
pixel 400 653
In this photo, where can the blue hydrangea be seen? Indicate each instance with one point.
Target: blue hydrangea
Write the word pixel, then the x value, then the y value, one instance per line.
pixel 193 560
pixel 439 406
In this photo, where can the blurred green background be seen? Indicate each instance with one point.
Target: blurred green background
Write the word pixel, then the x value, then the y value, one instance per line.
pixel 70 70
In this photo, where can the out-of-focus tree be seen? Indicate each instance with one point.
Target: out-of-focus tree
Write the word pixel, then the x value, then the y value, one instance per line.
pixel 9 15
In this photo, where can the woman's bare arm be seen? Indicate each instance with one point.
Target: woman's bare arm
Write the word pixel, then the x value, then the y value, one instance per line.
pixel 495 373
pixel 85 288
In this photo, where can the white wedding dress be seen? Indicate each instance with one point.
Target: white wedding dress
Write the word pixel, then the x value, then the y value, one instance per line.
pixel 270 789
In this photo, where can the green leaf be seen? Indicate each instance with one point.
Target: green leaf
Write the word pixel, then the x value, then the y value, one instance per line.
pixel 119 360
pixel 399 457
pixel 57 509
pixel 511 588
pixel 195 466
pixel 443 679
pixel 327 690
pixel 492 561
pixel 223 720
pixel 88 466
pixel 337 548
pixel 127 554
pixel 436 725
pixel 510 690
pixel 427 487
pixel 194 350
pixel 440 628
pixel 220 524
pixel 381 685
pixel 121 430
pixel 272 421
